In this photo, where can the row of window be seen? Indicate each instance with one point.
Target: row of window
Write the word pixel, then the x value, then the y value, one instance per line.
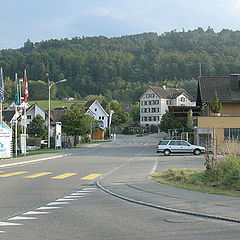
pixel 150 119
pixel 101 117
pixel 151 102
pixel 148 110
pixel 150 95
pixel 232 134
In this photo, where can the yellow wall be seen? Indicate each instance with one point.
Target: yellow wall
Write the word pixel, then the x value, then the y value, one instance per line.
pixel 218 124
pixel 228 108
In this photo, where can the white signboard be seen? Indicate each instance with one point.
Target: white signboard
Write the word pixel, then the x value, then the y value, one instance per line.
pixel 58 138
pixel 5 141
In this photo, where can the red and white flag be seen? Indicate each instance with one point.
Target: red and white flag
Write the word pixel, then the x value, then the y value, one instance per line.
pixel 26 94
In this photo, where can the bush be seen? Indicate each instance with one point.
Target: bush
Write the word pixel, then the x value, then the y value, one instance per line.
pixel 226 174
pixel 153 129
pixel 33 141
pixel 127 131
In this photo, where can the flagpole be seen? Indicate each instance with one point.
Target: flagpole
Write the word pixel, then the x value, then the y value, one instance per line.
pixel 2 96
pixel 25 119
pixel 16 79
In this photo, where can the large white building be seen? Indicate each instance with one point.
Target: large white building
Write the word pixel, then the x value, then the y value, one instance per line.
pixel 154 103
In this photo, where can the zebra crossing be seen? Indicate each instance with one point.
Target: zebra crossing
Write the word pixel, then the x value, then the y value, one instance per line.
pixel 36 213
pixel 27 175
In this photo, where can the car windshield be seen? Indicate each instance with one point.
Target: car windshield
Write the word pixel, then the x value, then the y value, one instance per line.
pixel 163 143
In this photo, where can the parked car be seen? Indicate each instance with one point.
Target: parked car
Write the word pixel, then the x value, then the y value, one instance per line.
pixel 178 146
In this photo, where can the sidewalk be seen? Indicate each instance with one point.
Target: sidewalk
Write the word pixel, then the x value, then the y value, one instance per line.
pixel 131 182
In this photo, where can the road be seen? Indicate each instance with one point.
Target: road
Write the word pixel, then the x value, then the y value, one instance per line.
pixel 54 196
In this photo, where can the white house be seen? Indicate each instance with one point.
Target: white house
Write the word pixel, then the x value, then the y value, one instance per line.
pixel 32 112
pixel 95 110
pixel 154 103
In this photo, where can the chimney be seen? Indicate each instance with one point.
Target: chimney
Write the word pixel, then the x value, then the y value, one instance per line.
pixel 235 82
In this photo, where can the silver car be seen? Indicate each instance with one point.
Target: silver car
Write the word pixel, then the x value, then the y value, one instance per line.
pixel 178 146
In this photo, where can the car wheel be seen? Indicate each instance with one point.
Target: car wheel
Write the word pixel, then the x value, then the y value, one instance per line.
pixel 166 152
pixel 196 152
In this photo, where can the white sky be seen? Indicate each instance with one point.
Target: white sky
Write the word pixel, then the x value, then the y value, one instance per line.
pixel 55 19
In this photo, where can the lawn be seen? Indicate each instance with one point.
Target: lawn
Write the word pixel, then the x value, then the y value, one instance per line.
pixel 54 103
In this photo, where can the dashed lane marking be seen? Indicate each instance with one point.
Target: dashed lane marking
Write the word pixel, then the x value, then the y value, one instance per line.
pixel 21 218
pixel 38 175
pixel 12 174
pixel 57 203
pixel 34 213
pixel 91 176
pixel 65 175
pixel 3 224
pixel 47 208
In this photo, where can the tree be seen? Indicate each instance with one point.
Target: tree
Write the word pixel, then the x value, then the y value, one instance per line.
pixel 135 113
pixel 216 106
pixel 38 127
pixel 169 121
pixel 76 123
pixel 119 116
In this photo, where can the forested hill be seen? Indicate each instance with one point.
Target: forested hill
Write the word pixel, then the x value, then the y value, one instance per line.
pixel 122 67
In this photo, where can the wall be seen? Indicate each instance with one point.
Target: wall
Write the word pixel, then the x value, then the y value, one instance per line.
pixel 217 124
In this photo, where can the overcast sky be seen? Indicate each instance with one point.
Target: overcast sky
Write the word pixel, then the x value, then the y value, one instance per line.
pixel 55 19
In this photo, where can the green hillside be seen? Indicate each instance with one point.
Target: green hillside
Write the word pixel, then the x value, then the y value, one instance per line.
pixel 122 67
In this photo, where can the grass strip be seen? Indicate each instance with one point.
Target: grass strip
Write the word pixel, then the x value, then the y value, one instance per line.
pixel 195 180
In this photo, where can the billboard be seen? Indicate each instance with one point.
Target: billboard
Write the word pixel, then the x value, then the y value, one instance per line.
pixel 5 141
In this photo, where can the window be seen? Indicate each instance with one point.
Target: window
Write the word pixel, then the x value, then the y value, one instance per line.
pixel 154 119
pixel 183 143
pixel 102 117
pixel 150 102
pixel 232 134
pixel 99 117
pixel 95 109
pixel 149 119
pixel 142 110
pixel 169 102
pixel 145 110
pixel 142 119
pixel 157 109
pixel 145 102
pixel 163 142
pixel 145 119
pixel 157 118
pixel 182 99
pixel 157 101
pixel 153 95
pixel 29 117
pixel 173 143
pixel 28 125
pixel 153 110
pixel 142 103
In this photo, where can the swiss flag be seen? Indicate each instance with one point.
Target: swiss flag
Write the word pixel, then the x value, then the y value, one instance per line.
pixel 26 94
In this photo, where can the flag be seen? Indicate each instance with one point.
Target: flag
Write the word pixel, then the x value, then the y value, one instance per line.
pixel 111 117
pixel 2 88
pixel 26 94
pixel 16 100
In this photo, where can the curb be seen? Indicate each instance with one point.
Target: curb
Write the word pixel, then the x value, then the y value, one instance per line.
pixel 196 214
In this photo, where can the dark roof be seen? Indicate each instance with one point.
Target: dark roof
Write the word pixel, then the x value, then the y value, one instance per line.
pixel 56 114
pixel 89 103
pixel 170 93
pixel 227 89
pixel 8 115
pixel 182 111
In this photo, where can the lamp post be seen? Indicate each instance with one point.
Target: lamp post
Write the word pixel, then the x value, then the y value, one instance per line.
pixel 49 109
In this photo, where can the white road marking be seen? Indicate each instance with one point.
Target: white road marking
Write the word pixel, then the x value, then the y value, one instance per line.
pixel 21 218
pixel 2 231
pixel 78 194
pixel 57 203
pixel 34 213
pixel 84 191
pixel 63 199
pixel 9 224
pixel 89 189
pixel 73 196
pixel 47 208
pixel 32 161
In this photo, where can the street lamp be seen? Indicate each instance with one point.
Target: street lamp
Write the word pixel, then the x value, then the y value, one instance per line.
pixel 49 109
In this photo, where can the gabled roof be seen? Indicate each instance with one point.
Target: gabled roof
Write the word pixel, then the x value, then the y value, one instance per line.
pixel 90 103
pixel 225 92
pixel 170 93
pixel 8 115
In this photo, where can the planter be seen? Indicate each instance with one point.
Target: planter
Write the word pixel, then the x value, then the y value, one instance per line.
pixel 216 114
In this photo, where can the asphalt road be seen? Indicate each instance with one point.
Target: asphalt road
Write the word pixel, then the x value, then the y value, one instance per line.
pixel 56 197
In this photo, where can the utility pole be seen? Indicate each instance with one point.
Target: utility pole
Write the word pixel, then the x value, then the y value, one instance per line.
pixel 200 70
